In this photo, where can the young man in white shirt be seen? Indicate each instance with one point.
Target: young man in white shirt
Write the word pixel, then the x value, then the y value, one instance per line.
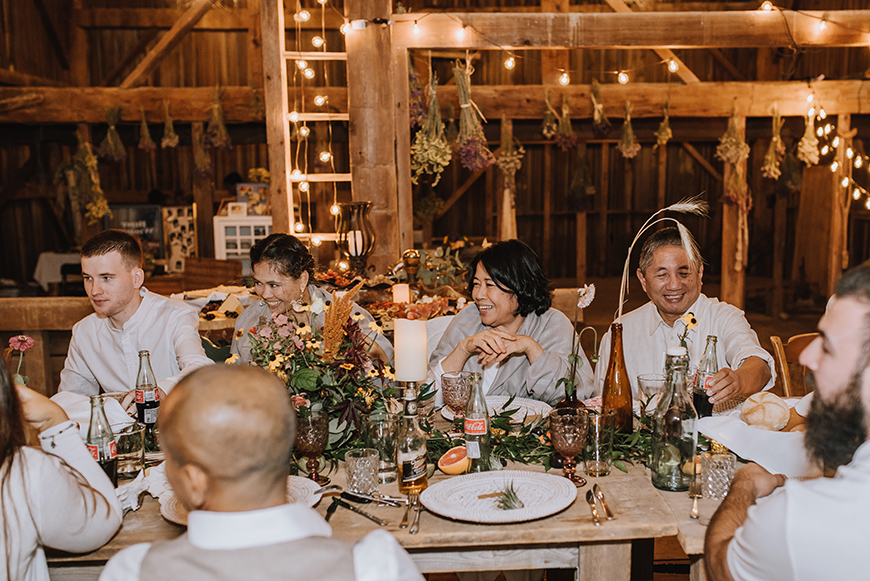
pixel 673 281
pixel 228 432
pixel 104 350
pixel 768 528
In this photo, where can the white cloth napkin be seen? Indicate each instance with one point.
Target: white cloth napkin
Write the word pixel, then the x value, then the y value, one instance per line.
pixel 78 408
pixel 152 480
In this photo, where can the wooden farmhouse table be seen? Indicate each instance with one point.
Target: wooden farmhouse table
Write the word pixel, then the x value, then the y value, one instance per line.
pixel 568 539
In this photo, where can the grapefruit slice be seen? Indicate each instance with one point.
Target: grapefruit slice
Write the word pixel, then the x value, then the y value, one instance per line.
pixel 454 461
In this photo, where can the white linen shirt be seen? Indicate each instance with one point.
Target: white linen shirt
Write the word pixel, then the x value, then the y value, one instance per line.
pixel 646 337
pixel 43 504
pixel 100 355
pixel 808 530
pixel 376 557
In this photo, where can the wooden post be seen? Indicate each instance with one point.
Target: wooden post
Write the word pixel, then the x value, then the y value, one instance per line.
pixel 553 62
pixel 602 209
pixel 662 154
pixel 548 194
pixel 580 230
pixel 780 222
pixel 204 199
pixel 255 45
pixel 373 129
pixel 733 281
pixel 275 91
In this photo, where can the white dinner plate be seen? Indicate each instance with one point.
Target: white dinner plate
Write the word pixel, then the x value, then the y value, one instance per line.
pixel 459 497
pixel 496 403
pixel 299 490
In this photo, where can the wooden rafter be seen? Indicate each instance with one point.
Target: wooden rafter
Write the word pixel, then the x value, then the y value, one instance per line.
pixel 458 193
pixel 169 41
pixel 727 64
pixel 217 20
pixel 24 80
pixel 146 38
pixel 51 33
pixel 665 54
pixel 696 155
pixel 672 30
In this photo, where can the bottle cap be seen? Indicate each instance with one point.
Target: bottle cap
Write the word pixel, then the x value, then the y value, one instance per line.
pixel 677 351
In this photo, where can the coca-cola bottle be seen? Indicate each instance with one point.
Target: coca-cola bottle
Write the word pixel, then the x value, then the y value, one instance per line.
pixel 101 440
pixel 147 396
pixel 707 368
pixel 477 437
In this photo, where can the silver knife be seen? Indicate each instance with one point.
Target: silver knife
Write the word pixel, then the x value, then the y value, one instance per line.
pixel 600 494
pixel 369 516
pixel 590 498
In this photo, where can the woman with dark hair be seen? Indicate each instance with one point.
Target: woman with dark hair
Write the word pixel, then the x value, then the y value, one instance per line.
pixel 284 281
pixel 56 497
pixel 510 334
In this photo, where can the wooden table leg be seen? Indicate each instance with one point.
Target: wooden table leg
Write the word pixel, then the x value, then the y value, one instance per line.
pixel 605 561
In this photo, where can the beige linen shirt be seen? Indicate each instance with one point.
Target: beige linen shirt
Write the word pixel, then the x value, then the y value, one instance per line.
pixel 646 337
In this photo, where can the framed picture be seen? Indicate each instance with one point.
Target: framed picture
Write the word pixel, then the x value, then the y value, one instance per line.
pixel 237 209
pixel 256 196
pixel 142 220
pixel 179 235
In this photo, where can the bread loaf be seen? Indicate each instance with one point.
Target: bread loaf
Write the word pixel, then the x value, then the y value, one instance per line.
pixel 766 411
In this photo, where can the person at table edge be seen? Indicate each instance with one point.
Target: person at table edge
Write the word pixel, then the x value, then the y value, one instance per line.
pixel 510 334
pixel 768 528
pixel 284 281
pixel 127 318
pixel 228 432
pixel 673 284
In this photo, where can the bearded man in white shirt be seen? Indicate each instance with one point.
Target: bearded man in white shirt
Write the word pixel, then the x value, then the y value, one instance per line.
pixel 673 284
pixel 813 529
pixel 228 432
pixel 104 350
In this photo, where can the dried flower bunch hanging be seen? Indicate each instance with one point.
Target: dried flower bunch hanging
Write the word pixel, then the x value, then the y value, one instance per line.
pixel 509 157
pixel 201 158
pixel 82 179
pixel 734 151
pixel 416 111
pixel 216 134
pixel 808 146
pixel 145 141
pixel 663 133
pixel 565 137
pixel 112 147
pixel 551 118
pixel 430 153
pixel 600 124
pixel 170 139
pixel 473 152
pixel 628 145
pixel 776 149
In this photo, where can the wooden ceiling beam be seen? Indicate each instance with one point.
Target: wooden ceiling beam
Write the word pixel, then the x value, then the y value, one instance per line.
pixel 216 20
pixel 167 42
pixel 656 30
pixel 51 33
pixel 8 77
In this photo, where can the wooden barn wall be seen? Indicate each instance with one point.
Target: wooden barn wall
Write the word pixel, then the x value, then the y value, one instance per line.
pixel 24 43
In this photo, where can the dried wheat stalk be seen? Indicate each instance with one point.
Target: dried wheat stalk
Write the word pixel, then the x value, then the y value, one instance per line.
pixel 335 320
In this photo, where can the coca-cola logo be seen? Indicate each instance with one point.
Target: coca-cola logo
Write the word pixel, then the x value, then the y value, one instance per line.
pixel 475 426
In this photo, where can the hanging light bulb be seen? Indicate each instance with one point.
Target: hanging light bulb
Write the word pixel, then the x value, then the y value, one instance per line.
pixel 859 161
pixel 317 41
pixel 294 116
pixel 319 100
pixel 823 23
pixel 834 167
pixel 302 64
pixel 825 150
pixel 460 32
pixel 322 2
pixel 673 66
pixel 844 182
pixel 299 226
pixel 416 28
pixel 342 265
pixel 304 131
pixel 303 186
pixel 344 28
pixel 836 142
pixel 767 5
pixel 308 73
pixel 856 194
pixel 867 204
pixel 302 16
pixel 325 156
pixel 820 131
pixel 849 153
pixel 810 98
pixel 564 79
pixel 510 63
pixel 316 241
pixel 828 128
pixel 295 172
pixel 334 210
pixel 811 112
pixel 822 113
pixel 622 77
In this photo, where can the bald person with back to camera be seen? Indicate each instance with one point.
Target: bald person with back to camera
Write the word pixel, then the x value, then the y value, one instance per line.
pixel 228 432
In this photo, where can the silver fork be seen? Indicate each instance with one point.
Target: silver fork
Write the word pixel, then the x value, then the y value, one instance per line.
pixel 412 499
pixel 418 508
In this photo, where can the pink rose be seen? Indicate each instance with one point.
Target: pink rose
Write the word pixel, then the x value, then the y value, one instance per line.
pixel 281 320
pixel 265 332
pixel 21 343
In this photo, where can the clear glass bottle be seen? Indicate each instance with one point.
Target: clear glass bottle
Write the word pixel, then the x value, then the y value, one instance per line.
pixel 147 396
pixel 478 444
pixel 411 447
pixel 707 368
pixel 101 440
pixel 675 434
pixel 617 386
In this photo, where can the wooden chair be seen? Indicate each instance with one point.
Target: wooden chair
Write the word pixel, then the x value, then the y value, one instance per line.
pixel 790 373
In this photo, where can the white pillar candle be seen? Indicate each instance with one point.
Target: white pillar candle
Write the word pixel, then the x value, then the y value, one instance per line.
pixel 401 293
pixel 354 242
pixel 410 341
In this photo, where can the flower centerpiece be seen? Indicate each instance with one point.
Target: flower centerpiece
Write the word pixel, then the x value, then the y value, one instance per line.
pixel 329 370
pixel 19 344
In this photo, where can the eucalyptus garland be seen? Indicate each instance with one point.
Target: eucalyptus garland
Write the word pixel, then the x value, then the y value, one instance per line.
pixel 565 137
pixel 551 119
pixel 663 133
pixel 600 124
pixel 473 151
pixel 112 147
pixel 81 176
pixel 776 149
pixel 216 134
pixel 430 153
pixel 733 150
pixel 808 146
pixel 145 141
pixel 628 145
pixel 170 139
